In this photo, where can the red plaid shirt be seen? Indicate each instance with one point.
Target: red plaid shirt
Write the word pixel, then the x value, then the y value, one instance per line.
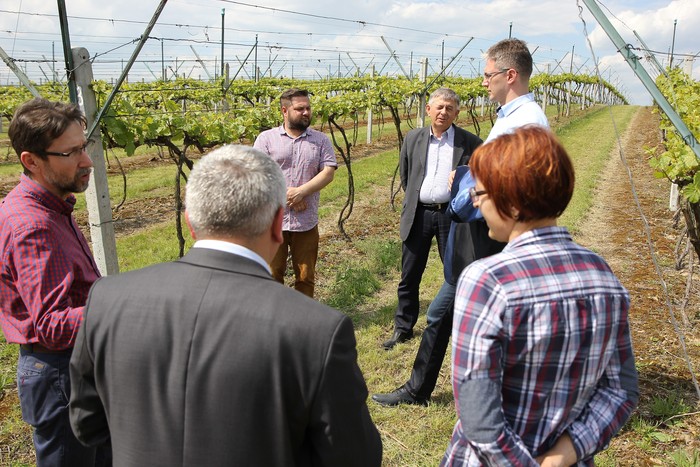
pixel 47 268
pixel 540 346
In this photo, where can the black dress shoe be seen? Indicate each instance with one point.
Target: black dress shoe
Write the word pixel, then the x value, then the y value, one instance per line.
pixel 397 337
pixel 400 396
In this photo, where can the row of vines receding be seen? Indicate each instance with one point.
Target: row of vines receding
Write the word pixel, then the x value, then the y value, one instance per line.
pixel 179 116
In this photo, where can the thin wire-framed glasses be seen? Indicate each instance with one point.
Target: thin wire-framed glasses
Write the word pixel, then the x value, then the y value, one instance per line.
pixel 488 76
pixel 474 194
pixel 77 151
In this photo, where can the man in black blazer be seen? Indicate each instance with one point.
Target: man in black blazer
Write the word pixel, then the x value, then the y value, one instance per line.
pixel 208 360
pixel 428 155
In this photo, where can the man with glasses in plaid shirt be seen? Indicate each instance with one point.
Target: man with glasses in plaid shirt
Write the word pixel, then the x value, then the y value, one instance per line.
pixel 46 272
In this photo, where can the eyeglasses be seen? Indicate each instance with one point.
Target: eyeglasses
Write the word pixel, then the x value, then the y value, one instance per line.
pixel 474 194
pixel 488 76
pixel 77 151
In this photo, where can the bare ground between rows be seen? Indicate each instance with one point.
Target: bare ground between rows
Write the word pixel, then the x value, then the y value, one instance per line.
pixel 614 228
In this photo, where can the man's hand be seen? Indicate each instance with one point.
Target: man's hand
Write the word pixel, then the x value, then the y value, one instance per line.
pixel 298 207
pixel 562 453
pixel 295 195
pixel 450 179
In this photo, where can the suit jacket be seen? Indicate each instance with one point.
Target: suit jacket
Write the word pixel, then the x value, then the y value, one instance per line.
pixel 468 239
pixel 414 152
pixel 208 361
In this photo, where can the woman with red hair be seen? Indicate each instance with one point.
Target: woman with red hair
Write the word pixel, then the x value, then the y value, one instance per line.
pixel 543 368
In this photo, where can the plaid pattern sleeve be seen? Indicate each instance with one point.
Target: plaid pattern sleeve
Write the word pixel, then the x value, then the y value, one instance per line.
pixel 47 268
pixel 541 346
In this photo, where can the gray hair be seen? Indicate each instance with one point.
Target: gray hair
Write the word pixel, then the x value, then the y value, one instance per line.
pixel 234 191
pixel 445 94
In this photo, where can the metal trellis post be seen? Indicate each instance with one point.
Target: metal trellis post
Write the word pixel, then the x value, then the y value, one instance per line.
pixel 633 62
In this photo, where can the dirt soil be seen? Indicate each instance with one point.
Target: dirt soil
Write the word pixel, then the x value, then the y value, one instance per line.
pixel 615 229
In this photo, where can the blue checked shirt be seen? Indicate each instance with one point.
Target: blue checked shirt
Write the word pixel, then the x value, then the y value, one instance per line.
pixel 541 346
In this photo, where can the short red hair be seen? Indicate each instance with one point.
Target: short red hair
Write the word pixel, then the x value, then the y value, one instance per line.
pixel 528 170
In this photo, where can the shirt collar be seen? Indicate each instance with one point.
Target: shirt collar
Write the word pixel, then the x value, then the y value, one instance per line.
pixel 45 197
pixel 284 132
pixel 445 134
pixel 232 248
pixel 543 234
pixel 510 107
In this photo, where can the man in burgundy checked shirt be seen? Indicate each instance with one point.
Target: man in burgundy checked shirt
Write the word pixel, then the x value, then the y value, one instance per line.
pixel 307 160
pixel 46 270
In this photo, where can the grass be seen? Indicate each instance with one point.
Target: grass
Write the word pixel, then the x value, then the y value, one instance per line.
pixel 667 407
pixel 156 244
pixel 360 278
pixel 589 159
pixel 10 169
pixel 683 458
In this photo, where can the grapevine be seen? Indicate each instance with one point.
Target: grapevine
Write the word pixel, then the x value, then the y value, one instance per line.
pixel 678 162
pixel 185 114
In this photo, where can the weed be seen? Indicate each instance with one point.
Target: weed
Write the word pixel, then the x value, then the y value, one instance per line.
pixel 666 407
pixel 605 459
pixel 385 255
pixel 647 432
pixel 351 287
pixel 683 458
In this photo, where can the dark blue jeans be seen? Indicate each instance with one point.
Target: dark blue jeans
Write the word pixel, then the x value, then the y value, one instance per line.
pixel 433 343
pixel 44 391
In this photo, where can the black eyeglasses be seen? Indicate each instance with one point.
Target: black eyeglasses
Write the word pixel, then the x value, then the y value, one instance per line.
pixel 474 194
pixel 77 151
pixel 488 76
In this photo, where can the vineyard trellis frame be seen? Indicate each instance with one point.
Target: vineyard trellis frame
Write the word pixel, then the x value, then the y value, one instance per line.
pixel 125 127
pixel 691 211
pixel 633 61
pixel 97 196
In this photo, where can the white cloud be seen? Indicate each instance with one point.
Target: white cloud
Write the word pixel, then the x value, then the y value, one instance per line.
pixel 655 27
pixel 552 27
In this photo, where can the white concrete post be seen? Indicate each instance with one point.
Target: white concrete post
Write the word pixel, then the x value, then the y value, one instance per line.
pixel 104 246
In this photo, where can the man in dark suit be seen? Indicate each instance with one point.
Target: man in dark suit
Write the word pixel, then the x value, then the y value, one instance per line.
pixel 208 360
pixel 506 76
pixel 428 155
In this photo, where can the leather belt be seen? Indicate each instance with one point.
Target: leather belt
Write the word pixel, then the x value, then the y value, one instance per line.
pixel 434 206
pixel 38 348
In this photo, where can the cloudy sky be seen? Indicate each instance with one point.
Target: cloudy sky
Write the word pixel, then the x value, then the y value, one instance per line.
pixel 313 38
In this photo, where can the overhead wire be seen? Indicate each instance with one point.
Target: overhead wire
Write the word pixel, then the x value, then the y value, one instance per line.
pixel 14 39
pixel 645 222
pixel 289 47
pixel 360 22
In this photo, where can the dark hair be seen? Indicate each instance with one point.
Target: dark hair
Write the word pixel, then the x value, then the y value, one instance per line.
pixel 38 122
pixel 289 94
pixel 512 53
pixel 528 170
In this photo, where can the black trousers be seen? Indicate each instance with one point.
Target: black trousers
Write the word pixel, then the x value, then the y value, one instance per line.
pixel 427 224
